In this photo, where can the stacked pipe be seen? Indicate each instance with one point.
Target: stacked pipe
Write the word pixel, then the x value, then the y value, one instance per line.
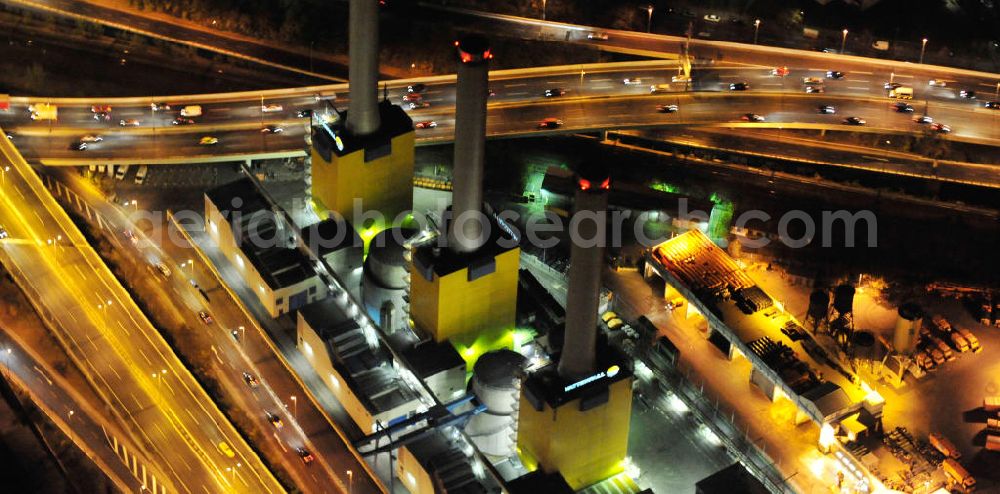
pixel 472 90
pixel 586 261
pixel 362 112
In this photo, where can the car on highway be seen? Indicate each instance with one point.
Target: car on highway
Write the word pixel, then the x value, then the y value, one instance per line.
pixel 923 119
pixel 416 88
pixel 413 105
pixel 106 116
pixel 666 108
pixel 159 106
pixel 967 94
pixel 739 86
pixel 78 146
pixel 3 232
pixel 131 237
pixel 100 109
pixel 553 92
pixel 780 71
pixel 205 317
pixel 632 81
pixel 892 85
pixel 940 127
pixel 164 270
pixel 251 380
pixel 226 450
pixel 305 455
pixel 91 138
pixel 826 109
pixel 902 107
pixel 680 78
pixel 130 122
pixel 270 108
pixel 307 113
pixel 182 121
pixel 712 18
pixel 272 129
pixel 550 123
pixel 993 105
pixel 854 121
pixel 412 97
pixel 812 81
pixel 275 420
pixel 936 83
pixel 835 74
pixel 752 117
pixel 208 141
pixel 815 89
pixel 597 35
pixel 426 124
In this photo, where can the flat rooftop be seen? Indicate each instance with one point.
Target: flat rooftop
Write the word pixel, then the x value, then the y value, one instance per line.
pixel 261 234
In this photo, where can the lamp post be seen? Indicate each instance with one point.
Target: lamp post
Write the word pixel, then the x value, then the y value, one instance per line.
pixel 5 170
pixel 923 46
pixel 756 28
pixel 350 482
pixel 843 42
pixel 543 9
pixel 649 19
pixel 295 408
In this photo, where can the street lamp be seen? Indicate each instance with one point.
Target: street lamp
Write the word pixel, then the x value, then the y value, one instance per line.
pixel 843 42
pixel 756 27
pixel 923 46
pixel 350 482
pixel 5 170
pixel 649 20
pixel 295 408
pixel 543 9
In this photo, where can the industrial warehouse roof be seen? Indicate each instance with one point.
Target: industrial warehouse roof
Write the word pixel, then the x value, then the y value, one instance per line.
pixel 331 235
pixel 368 370
pixel 734 479
pixel 261 234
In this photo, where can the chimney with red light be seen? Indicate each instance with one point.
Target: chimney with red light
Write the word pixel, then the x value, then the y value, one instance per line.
pixel 363 116
pixel 466 231
pixel 586 263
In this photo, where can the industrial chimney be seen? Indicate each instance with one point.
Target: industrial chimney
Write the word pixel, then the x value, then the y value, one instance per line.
pixel 466 232
pixel 362 112
pixel 585 263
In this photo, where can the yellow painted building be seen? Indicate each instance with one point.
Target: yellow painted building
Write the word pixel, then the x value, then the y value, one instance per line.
pixel 473 304
pixel 581 433
pixel 374 172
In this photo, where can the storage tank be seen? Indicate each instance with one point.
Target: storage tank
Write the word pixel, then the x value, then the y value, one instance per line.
pixel 819 305
pixel 385 282
pixel 907 332
pixel 496 382
pixel 843 299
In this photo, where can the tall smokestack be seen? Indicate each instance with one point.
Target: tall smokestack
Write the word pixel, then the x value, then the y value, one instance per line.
pixel 362 112
pixel 470 144
pixel 585 265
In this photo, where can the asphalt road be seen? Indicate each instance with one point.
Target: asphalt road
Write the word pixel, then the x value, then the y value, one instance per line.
pixel 235 350
pixel 593 100
pixel 147 389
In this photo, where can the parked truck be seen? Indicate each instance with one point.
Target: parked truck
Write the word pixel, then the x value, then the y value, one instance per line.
pixel 940 322
pixel 945 446
pixel 43 111
pixel 991 403
pixel 959 474
pixel 191 111
pixel 902 92
pixel 971 338
pixel 993 425
pixel 993 442
pixel 961 344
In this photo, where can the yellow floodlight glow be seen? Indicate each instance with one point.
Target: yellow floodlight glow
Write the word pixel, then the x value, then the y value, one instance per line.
pixel 827 436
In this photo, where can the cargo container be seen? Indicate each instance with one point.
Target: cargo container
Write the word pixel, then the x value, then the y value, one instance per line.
pixel 941 324
pixel 959 474
pixel 945 446
pixel 993 442
pixel 993 425
pixel 991 403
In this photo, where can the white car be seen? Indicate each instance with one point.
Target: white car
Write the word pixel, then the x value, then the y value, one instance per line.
pixel 596 35
pixel 273 107
pixel 712 18
pixel 632 81
pixel 936 83
pixel 3 232
pixel 164 270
